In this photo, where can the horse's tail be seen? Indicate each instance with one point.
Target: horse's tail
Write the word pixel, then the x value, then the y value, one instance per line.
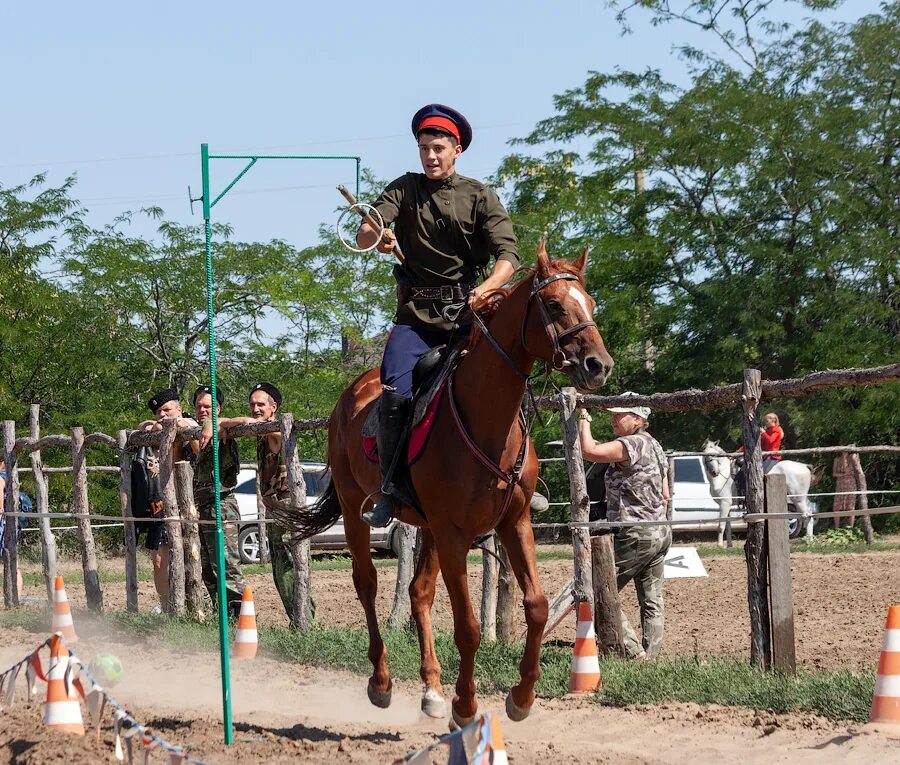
pixel 307 521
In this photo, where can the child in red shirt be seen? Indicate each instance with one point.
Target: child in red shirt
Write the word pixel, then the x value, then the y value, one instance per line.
pixel 770 440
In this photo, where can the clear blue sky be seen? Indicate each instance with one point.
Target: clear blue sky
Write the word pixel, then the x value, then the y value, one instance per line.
pixel 124 93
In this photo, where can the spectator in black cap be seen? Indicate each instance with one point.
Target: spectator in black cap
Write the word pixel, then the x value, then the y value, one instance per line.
pixel 449 228
pixel 165 405
pixel 271 474
pixel 205 499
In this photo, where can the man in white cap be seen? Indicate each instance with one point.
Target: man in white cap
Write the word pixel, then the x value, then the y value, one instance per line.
pixel 637 489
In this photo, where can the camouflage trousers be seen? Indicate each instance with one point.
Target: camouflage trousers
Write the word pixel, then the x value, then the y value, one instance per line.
pixel 234 579
pixel 283 564
pixel 282 567
pixel 640 553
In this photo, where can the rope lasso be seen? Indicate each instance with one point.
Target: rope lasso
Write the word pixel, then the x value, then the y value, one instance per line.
pixel 362 209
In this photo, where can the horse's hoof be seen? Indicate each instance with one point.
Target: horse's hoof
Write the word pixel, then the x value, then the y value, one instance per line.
pixel 433 704
pixel 513 711
pixel 381 699
pixel 457 722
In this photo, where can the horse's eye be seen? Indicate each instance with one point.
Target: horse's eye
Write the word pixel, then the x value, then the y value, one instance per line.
pixel 554 306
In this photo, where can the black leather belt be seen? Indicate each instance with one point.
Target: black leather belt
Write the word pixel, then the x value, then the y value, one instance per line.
pixel 447 293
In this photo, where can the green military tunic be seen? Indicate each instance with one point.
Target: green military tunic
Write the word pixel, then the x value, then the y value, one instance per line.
pixel 448 230
pixel 205 499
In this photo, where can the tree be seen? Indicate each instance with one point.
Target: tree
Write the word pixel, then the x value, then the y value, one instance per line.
pixel 766 231
pixel 53 342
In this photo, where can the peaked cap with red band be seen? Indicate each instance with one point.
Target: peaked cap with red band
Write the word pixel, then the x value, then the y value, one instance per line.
pixel 445 119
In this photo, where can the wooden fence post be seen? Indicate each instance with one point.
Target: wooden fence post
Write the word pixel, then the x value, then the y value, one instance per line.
pixel 406 565
pixel 580 502
pixel 130 535
pixel 863 501
pixel 784 657
pixel 755 548
pixel 262 526
pixel 506 598
pixel 490 570
pixel 11 522
pixel 42 505
pixel 607 609
pixel 194 589
pixel 175 604
pixel 81 510
pixel 302 611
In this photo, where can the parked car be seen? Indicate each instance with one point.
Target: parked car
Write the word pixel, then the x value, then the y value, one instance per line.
pixel 693 500
pixel 316 476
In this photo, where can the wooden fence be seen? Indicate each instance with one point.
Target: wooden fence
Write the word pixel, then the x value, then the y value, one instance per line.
pixel 594 571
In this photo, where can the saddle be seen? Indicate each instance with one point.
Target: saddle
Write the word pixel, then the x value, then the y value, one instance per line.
pixel 429 378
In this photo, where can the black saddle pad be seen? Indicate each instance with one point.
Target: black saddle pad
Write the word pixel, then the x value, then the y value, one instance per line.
pixel 422 398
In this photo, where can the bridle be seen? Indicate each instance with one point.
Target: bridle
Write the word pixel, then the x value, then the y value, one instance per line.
pixel 558 356
pixel 511 477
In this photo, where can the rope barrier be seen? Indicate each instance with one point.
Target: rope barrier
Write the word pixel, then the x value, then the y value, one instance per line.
pixel 95 517
pixel 789 496
pixel 121 717
pixel 748 518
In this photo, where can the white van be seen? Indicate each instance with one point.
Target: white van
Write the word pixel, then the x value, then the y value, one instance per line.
pixel 316 477
pixel 693 500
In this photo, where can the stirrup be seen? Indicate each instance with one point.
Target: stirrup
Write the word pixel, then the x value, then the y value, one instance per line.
pixel 381 514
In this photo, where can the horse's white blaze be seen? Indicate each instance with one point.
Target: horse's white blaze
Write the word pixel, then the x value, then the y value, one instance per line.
pixel 579 297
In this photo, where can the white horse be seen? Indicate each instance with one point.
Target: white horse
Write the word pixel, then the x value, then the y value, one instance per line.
pixel 721 471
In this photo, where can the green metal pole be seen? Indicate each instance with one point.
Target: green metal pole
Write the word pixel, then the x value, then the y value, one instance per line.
pixel 220 536
pixel 357 177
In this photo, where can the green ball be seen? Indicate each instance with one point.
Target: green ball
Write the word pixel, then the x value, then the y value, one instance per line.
pixel 106 669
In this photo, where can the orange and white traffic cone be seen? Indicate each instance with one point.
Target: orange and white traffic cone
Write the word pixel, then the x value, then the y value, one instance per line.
pixel 62 710
pixel 584 676
pixel 246 639
pixel 886 700
pixel 498 746
pixel 62 614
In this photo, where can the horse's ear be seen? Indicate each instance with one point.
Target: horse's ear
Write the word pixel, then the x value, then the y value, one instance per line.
pixel 543 259
pixel 581 263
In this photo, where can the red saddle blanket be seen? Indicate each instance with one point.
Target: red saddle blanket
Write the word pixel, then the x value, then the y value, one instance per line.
pixel 418 437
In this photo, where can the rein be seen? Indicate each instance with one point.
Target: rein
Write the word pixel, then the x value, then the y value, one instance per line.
pixel 512 477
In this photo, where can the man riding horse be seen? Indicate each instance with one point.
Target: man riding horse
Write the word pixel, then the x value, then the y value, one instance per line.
pixel 449 227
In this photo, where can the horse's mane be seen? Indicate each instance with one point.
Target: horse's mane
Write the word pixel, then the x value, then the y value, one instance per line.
pixel 494 299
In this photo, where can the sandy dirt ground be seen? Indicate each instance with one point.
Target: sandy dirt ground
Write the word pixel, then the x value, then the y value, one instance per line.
pixel 287 712
pixel 291 713
pixel 840 603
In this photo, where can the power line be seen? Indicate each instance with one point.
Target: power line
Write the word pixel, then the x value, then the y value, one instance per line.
pixel 165 196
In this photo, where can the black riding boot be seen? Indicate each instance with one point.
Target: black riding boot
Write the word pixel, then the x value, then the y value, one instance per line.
pixel 391 440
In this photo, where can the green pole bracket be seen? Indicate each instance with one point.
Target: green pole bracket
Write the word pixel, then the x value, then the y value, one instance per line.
pixel 208 204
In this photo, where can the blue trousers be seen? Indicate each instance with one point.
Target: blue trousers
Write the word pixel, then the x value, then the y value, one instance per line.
pixel 405 346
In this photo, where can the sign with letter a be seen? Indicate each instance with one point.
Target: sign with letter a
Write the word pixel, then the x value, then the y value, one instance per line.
pixel 682 562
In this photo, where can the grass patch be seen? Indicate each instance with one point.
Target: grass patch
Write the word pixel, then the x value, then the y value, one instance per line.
pixel 836 694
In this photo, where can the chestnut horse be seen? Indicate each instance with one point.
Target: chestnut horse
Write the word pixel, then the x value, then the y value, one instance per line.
pixel 477 474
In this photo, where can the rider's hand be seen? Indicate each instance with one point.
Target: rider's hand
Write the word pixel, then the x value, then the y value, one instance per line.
pixel 475 299
pixel 388 241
